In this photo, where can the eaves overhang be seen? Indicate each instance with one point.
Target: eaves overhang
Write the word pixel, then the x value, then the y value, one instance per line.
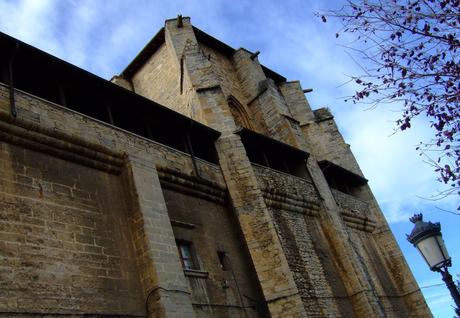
pixel 273 144
pixel 30 57
pixel 328 167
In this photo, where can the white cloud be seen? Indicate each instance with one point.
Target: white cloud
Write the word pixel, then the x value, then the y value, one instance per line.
pixel 29 21
pixel 397 174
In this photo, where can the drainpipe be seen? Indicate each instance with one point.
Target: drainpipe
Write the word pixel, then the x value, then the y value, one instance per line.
pixel 13 109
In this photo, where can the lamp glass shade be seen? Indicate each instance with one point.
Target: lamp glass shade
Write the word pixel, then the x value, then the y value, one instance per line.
pixel 433 251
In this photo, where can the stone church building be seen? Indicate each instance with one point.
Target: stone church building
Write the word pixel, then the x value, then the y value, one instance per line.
pixel 197 183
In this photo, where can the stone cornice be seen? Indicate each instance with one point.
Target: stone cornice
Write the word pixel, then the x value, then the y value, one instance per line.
pixel 29 135
pixel 291 203
pixel 358 222
pixel 355 212
pixel 183 183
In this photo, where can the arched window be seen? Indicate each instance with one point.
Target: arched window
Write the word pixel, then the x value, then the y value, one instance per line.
pixel 239 113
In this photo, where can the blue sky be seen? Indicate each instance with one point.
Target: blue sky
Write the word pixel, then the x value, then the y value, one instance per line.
pixel 104 36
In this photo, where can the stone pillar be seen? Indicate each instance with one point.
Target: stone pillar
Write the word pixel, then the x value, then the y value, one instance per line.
pixel 189 54
pixel 393 258
pixel 266 101
pixel 297 102
pixel 362 294
pixel 162 278
pixel 249 73
pixel 209 105
pixel 277 282
pixel 177 37
pixel 275 277
pixel 325 141
pixel 278 120
pixel 283 127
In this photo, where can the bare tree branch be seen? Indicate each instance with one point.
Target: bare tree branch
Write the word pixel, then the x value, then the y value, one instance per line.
pixel 408 51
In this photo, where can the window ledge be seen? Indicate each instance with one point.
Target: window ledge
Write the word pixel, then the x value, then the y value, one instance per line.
pixel 196 273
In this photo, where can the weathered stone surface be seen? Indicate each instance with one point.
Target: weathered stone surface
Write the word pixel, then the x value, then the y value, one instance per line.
pixel 64 238
pixel 88 218
pixel 90 214
pixel 283 113
pixel 211 229
pixel 264 247
pixel 160 70
pixel 296 101
pixel 326 142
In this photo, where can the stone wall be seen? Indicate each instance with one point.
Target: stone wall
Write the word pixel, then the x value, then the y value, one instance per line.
pixel 209 225
pixel 160 80
pixel 350 203
pixel 355 212
pixel 289 225
pixel 370 237
pixel 326 142
pixel 226 73
pixel 64 238
pixel 80 131
pixel 286 191
pixel 380 278
pixel 101 215
pixel 293 204
pixel 90 213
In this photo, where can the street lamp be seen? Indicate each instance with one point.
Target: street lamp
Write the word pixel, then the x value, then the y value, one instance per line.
pixel 427 238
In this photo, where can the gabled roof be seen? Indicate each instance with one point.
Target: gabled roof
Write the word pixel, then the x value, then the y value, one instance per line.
pixel 155 43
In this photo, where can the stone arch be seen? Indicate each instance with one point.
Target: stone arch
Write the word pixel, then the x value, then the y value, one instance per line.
pixel 239 114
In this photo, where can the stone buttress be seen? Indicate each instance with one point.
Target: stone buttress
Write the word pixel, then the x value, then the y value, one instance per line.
pixel 197 183
pixel 320 246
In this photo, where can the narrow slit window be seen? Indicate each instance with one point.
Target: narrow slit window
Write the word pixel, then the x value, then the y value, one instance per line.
pixel 181 75
pixel 222 260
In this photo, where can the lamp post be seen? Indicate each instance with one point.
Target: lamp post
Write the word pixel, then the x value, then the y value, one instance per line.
pixel 427 238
